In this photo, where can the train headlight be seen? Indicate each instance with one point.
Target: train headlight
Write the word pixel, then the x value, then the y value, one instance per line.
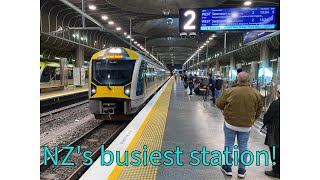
pixel 93 90
pixel 127 90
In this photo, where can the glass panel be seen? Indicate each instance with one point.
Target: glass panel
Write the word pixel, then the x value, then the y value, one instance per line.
pixel 112 73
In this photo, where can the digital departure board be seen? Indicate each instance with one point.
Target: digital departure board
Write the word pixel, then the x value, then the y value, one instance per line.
pixel 228 19
pixel 238 18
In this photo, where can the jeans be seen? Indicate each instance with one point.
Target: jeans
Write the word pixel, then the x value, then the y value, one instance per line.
pixel 242 138
pixel 217 93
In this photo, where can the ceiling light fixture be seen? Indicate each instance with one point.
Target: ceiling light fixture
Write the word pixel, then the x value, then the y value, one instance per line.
pixel 207 41
pixel 118 28
pixel 247 3
pixel 210 38
pixel 125 33
pixel 92 7
pixel 110 22
pixel 104 17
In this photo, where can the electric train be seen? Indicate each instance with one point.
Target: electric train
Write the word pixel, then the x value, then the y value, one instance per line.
pixel 50 74
pixel 121 81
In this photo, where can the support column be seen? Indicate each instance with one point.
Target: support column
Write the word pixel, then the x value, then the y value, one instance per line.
pixel 217 67
pixel 64 72
pixel 79 56
pixel 198 60
pixel 208 69
pixel 254 71
pixel 277 78
pixel 232 63
pixel 225 44
pixel 130 34
pixel 264 55
pixel 227 72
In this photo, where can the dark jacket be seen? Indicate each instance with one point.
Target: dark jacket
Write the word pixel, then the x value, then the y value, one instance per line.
pixel 211 83
pixel 185 78
pixel 190 80
pixel 241 105
pixel 272 120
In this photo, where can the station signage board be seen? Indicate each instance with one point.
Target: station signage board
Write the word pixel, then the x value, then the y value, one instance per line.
pixel 252 36
pixel 228 19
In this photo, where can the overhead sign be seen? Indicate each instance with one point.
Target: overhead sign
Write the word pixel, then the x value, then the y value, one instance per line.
pixel 222 19
pixel 189 20
pixel 251 36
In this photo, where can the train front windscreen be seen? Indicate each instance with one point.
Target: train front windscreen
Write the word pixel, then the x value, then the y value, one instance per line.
pixel 112 72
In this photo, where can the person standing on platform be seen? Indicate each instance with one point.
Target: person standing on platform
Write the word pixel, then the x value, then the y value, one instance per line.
pixel 241 106
pixel 211 86
pixel 190 82
pixel 185 80
pixel 218 86
pixel 271 121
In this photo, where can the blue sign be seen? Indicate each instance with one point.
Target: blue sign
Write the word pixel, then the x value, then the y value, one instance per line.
pixel 251 36
pixel 251 18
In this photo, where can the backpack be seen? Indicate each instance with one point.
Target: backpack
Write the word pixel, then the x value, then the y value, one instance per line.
pixel 218 84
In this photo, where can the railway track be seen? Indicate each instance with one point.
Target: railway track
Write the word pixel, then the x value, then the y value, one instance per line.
pixel 60 110
pixel 94 138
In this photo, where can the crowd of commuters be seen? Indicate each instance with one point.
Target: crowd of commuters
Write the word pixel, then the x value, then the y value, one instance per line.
pixel 241 106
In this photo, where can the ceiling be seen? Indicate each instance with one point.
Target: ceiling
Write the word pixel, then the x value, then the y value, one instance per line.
pixel 148 25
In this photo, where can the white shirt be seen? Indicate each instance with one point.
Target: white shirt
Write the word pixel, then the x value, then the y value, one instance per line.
pixel 240 129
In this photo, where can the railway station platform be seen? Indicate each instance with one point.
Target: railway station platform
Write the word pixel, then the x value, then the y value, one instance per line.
pixel 70 90
pixel 173 118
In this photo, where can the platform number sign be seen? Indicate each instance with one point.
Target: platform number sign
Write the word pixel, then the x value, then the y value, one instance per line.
pixel 188 20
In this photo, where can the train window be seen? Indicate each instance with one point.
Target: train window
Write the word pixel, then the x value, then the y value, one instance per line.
pixel 57 74
pixel 47 74
pixel 70 74
pixel 112 73
pixel 140 84
pixel 86 74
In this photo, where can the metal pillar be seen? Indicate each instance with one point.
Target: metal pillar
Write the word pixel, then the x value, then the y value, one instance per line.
pixel 264 54
pixel 145 43
pixel 207 52
pixel 225 43
pixel 217 67
pixel 227 72
pixel 232 63
pixel 130 34
pixel 79 56
pixel 64 72
pixel 83 18
pixel 254 71
pixel 198 60
pixel 277 78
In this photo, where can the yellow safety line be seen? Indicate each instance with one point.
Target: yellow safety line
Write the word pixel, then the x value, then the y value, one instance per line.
pixel 167 92
pixel 62 93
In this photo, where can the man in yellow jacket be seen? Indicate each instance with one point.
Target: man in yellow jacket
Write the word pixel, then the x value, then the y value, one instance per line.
pixel 241 106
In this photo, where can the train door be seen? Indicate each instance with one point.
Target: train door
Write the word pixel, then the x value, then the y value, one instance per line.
pixel 141 80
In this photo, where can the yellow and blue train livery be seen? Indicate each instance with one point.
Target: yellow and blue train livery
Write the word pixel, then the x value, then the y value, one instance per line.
pixel 121 81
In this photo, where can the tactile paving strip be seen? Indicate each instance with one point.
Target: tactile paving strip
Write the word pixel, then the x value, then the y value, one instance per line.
pixel 152 137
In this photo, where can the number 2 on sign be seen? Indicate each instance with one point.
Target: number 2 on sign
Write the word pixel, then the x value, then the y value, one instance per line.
pixel 188 24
